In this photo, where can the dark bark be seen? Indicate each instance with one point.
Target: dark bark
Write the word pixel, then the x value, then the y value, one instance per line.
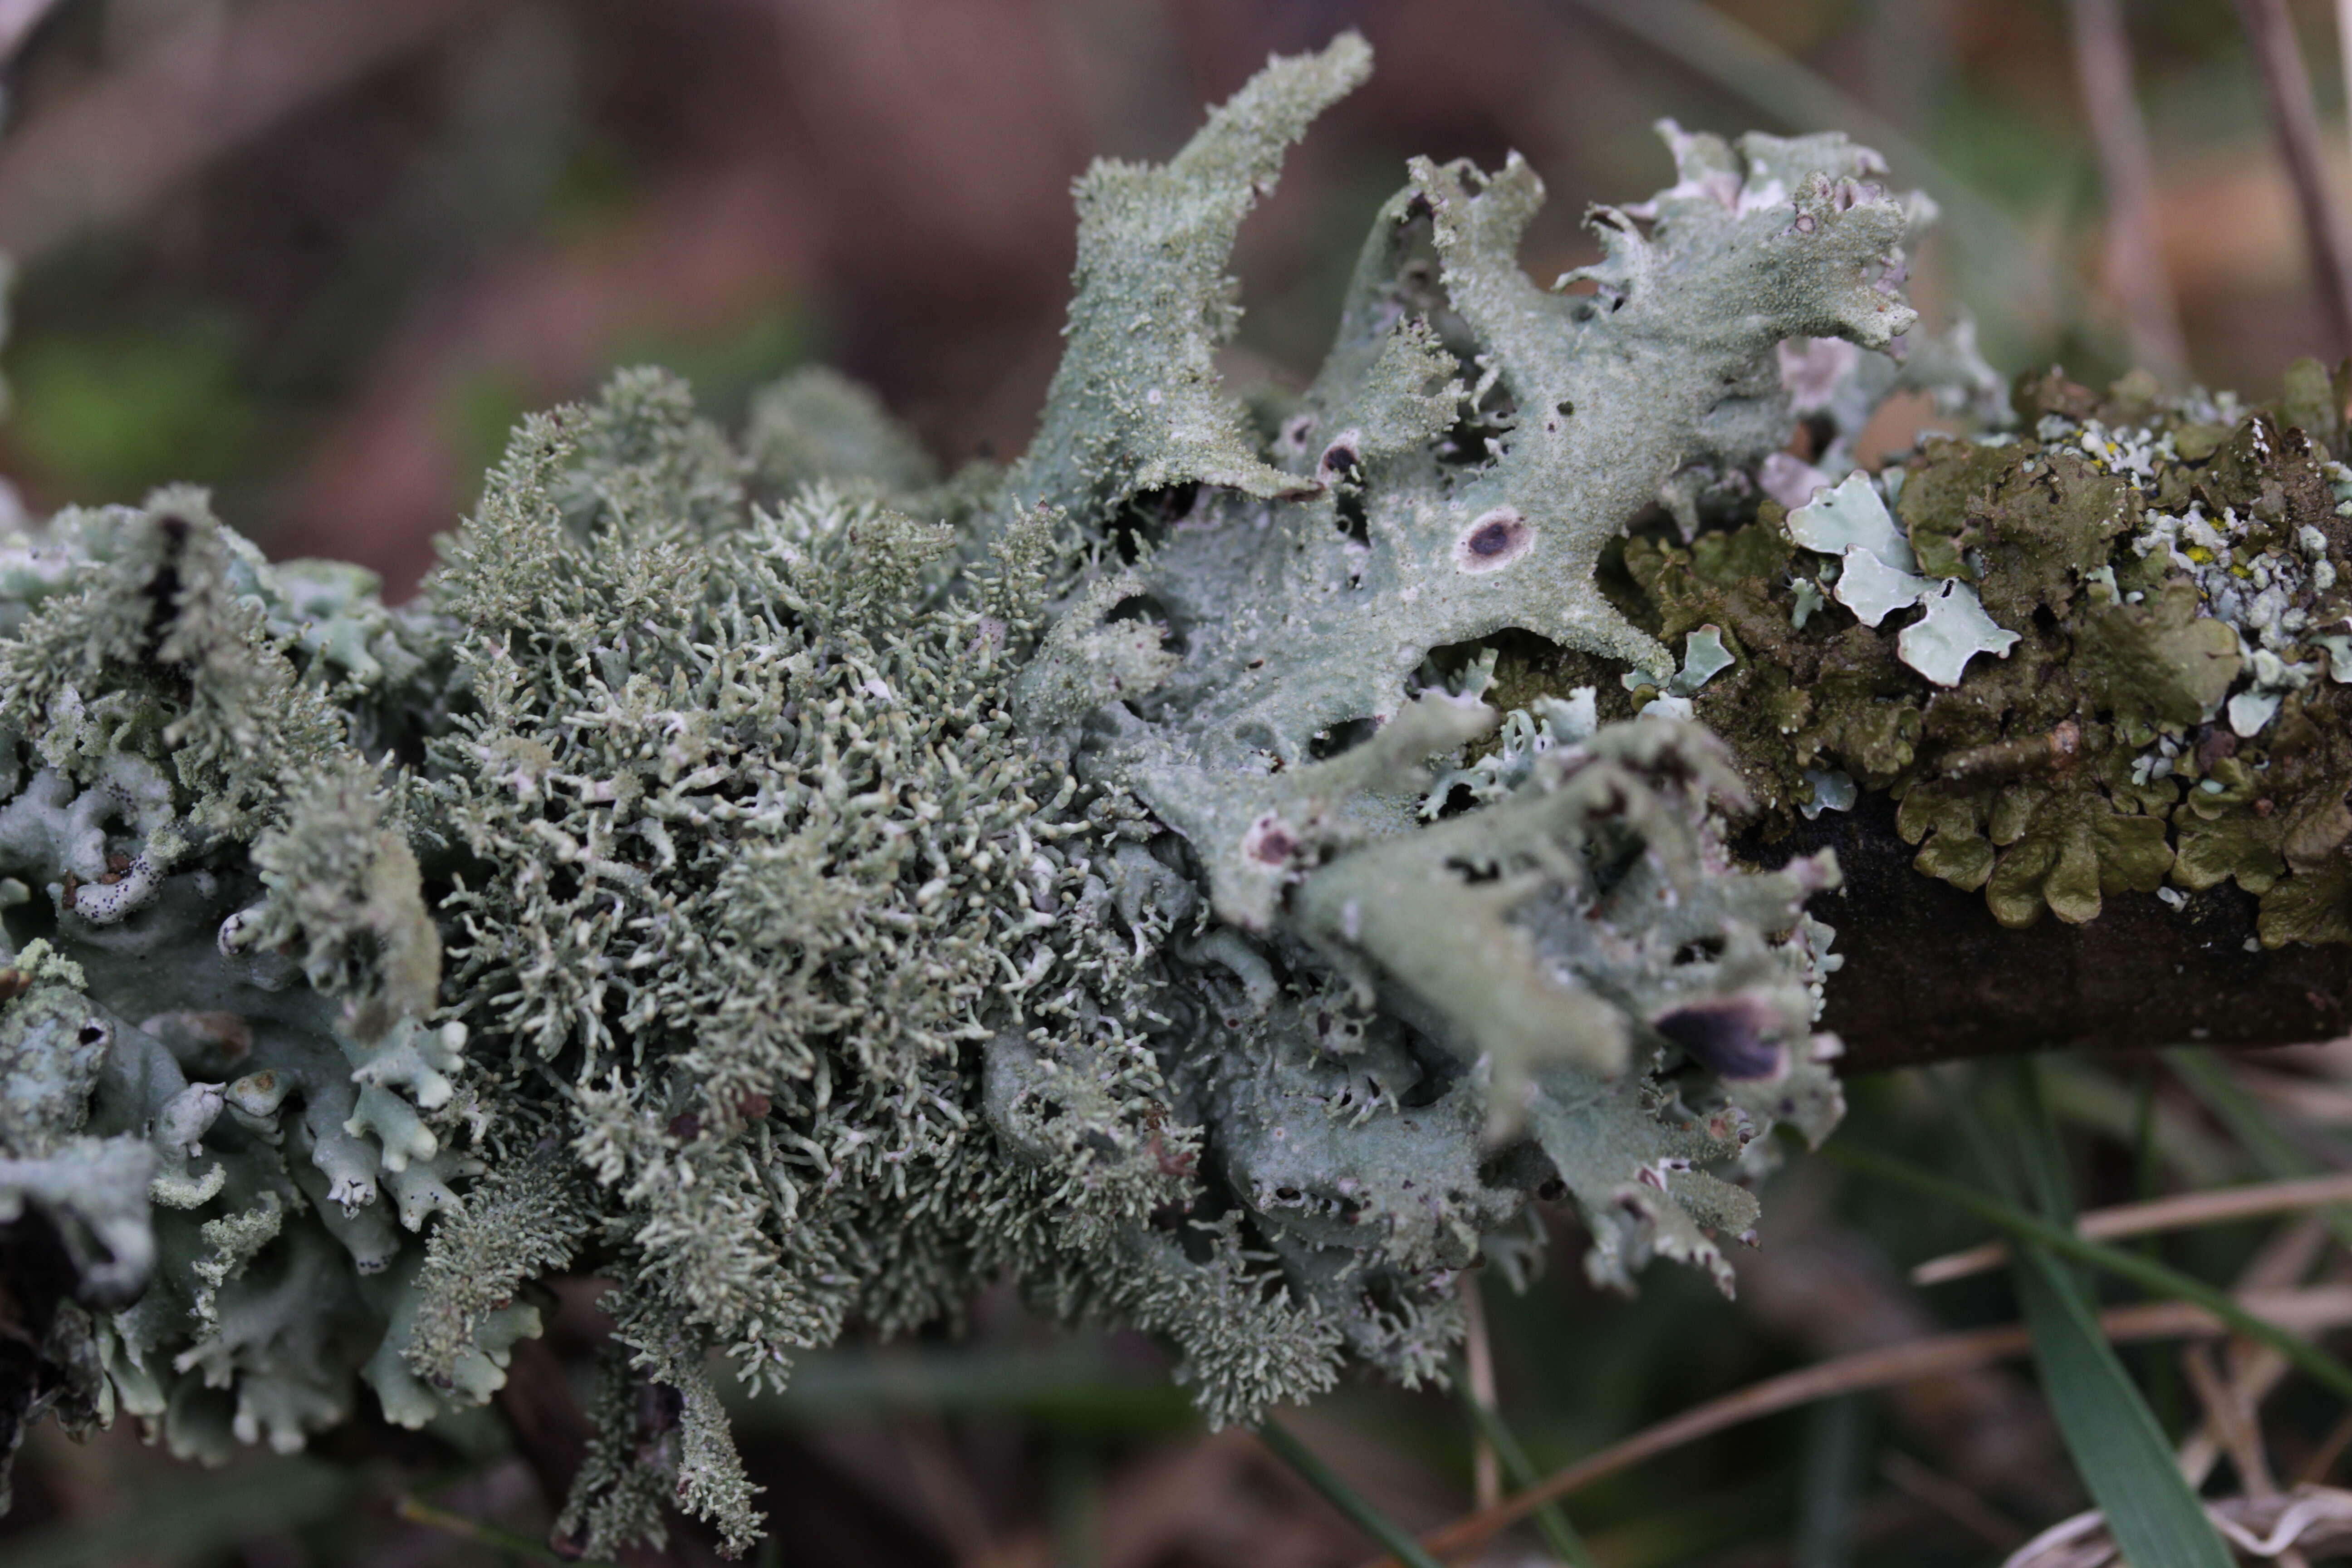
pixel 1929 975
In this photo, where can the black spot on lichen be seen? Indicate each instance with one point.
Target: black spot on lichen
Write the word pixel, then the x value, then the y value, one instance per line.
pixel 1494 540
pixel 1146 516
pixel 1341 738
pixel 1271 843
pixel 1349 514
pixel 1724 1037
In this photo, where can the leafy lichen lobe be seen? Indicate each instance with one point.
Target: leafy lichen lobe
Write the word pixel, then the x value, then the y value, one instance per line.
pixel 2170 715
pixel 1224 880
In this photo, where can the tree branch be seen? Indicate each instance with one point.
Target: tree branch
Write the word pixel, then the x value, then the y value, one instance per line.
pixel 1929 975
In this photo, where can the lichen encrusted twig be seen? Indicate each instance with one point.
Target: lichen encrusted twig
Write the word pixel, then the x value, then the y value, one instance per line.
pixel 801 890
pixel 2147 696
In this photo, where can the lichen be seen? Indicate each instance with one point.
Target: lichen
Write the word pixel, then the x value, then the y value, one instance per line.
pixel 1222 879
pixel 2162 583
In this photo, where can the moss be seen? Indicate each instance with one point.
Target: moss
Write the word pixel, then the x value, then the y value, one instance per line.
pixel 2314 906
pixel 2068 848
pixel 1756 553
pixel 2229 830
pixel 1827 695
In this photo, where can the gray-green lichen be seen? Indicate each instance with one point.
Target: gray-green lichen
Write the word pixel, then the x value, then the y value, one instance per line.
pixel 801 891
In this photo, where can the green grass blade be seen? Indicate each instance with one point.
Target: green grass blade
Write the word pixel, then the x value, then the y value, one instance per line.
pixel 2037 1142
pixel 2117 1445
pixel 2147 1179
pixel 1836 1453
pixel 1550 1520
pixel 2323 1368
pixel 2157 1376
pixel 1391 1536
pixel 2118 1448
pixel 1952 1082
pixel 2236 1109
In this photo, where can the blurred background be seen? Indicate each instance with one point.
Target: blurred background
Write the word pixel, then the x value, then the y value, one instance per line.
pixel 319 254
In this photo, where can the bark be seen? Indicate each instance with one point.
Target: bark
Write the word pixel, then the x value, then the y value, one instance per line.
pixel 1930 975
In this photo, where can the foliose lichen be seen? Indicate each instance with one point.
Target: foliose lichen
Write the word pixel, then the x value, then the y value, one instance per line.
pixel 801 890
pixel 2142 694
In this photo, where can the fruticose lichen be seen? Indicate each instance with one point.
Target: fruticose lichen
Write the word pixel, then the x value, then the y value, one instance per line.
pixel 1224 876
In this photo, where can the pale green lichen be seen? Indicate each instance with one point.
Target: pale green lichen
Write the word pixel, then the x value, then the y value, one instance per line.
pixel 1851 517
pixel 1954 630
pixel 1138 404
pixel 802 892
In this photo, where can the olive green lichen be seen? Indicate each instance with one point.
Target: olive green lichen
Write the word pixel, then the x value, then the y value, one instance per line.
pixel 2165 711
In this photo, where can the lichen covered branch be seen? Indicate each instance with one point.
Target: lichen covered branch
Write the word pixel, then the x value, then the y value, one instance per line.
pixel 1224 876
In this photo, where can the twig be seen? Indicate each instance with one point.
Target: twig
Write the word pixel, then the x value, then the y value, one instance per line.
pixel 2209 1079
pixel 2267 1528
pixel 2331 1448
pixel 2144 1272
pixel 2287 92
pixel 2233 1421
pixel 1550 1521
pixel 2255 1370
pixel 2322 1307
pixel 2215 1207
pixel 2229 1411
pixel 2324 1104
pixel 1953 1500
pixel 1485 1465
pixel 2134 261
